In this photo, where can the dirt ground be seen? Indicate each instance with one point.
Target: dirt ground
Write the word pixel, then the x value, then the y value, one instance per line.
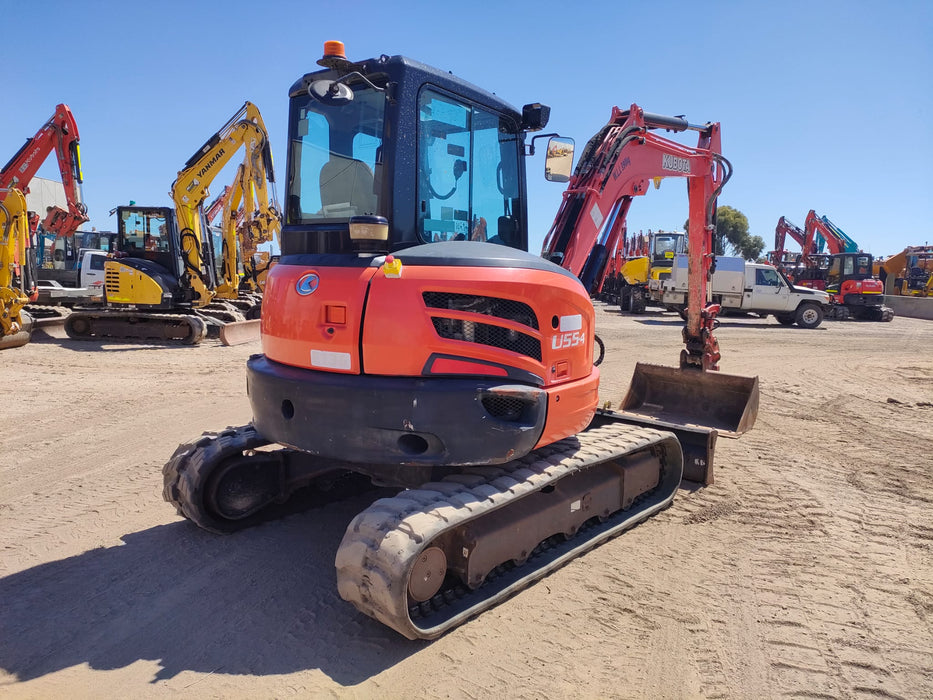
pixel 805 570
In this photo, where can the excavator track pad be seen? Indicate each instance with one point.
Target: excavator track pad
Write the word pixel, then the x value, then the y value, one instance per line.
pixel 428 559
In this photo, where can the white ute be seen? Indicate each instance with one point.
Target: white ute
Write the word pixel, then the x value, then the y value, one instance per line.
pixel 750 287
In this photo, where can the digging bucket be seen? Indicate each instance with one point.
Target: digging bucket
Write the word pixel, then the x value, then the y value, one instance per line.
pixel 727 403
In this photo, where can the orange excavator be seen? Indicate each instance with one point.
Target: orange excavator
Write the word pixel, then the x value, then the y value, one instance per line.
pixel 59 135
pixel 410 339
pixel 846 272
pixel 780 257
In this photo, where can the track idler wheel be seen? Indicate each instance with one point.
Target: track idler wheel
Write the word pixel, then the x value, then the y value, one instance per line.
pixel 78 327
pixel 427 574
pixel 242 486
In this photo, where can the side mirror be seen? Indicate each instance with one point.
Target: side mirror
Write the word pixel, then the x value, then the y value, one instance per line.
pixel 559 161
pixel 330 92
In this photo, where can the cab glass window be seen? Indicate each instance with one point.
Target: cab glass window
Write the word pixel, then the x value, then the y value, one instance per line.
pixel 467 173
pixel 145 231
pixel 336 157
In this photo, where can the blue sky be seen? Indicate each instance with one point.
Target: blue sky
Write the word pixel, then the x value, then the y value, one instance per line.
pixel 823 105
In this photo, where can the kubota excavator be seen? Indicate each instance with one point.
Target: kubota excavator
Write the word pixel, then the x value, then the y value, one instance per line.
pixel 846 272
pixel 162 283
pixel 17 270
pixel 59 135
pixel 409 337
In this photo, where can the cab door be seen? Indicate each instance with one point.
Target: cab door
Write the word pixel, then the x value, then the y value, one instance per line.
pixel 765 290
pixel 92 269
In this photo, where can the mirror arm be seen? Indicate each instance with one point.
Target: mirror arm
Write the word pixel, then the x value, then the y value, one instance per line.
pixel 531 146
pixel 354 74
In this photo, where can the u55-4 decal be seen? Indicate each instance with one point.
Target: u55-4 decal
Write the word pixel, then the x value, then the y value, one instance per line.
pixel 571 333
pixel 563 341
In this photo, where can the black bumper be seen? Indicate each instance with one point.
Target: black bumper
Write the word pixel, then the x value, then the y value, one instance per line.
pixel 394 420
pixel 866 300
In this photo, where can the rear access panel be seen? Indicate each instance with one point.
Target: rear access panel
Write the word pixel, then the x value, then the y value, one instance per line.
pixel 311 316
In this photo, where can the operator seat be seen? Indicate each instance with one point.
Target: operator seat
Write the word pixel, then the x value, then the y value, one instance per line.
pixel 347 187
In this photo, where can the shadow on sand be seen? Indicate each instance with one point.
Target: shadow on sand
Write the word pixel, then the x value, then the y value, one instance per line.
pixel 259 602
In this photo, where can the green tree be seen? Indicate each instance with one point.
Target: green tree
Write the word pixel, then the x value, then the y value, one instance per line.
pixel 732 234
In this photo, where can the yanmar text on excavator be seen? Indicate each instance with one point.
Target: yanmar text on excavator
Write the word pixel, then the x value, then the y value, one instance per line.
pixel 409 337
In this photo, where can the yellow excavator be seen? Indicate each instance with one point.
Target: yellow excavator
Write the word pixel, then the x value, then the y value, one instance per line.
pixel 16 263
pixel 161 283
pixel 250 218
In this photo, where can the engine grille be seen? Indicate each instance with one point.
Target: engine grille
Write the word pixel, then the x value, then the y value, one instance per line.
pixel 508 309
pixel 486 334
pixel 112 282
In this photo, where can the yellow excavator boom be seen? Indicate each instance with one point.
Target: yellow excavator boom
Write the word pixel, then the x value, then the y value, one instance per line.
pixel 15 325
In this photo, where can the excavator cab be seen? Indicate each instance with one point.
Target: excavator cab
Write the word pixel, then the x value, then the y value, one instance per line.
pixel 848 266
pixel 147 242
pixel 406 143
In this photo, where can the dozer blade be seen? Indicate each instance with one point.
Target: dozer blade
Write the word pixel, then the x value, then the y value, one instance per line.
pixel 50 322
pixel 239 332
pixel 15 340
pixel 22 336
pixel 727 403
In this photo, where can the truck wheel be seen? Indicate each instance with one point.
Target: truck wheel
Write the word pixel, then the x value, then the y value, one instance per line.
pixel 637 302
pixel 625 298
pixel 809 316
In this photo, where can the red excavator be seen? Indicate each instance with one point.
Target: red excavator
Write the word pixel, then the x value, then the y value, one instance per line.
pixel 59 135
pixel 845 272
pixel 781 258
pixel 409 337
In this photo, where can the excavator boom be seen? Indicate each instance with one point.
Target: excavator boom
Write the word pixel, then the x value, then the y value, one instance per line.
pixel 17 270
pixel 617 165
pixel 59 135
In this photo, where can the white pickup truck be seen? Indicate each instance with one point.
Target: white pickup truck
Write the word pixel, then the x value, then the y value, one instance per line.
pixel 68 287
pixel 750 287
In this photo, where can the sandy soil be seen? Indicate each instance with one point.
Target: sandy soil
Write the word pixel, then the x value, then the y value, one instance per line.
pixel 806 570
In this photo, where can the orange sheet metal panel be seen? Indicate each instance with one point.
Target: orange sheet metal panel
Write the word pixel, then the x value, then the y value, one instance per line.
pixel 311 316
pixel 399 334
